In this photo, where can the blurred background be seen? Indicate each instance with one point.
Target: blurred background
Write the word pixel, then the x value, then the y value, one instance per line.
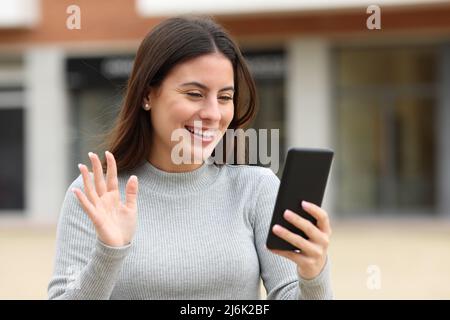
pixel 380 97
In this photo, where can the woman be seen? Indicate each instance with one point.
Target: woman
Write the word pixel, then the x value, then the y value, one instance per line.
pixel 191 229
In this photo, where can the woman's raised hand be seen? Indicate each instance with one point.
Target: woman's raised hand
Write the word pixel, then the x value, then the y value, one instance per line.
pixel 114 221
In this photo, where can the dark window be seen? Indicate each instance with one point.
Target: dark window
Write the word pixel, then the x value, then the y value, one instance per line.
pixel 12 159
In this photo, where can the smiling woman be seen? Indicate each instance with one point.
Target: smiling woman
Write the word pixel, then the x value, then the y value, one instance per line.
pixel 177 104
pixel 176 74
pixel 184 230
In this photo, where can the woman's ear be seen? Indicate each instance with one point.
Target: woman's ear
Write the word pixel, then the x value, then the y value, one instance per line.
pixel 146 103
pixel 147 98
pixel 151 95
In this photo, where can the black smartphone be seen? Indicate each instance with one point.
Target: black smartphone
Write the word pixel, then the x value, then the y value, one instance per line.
pixel 304 177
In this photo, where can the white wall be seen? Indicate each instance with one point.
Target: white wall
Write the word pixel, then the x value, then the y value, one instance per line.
pixel 19 13
pixel 46 135
pixel 308 104
pixel 151 8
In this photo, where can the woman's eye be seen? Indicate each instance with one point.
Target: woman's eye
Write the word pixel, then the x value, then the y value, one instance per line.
pixel 194 94
pixel 199 95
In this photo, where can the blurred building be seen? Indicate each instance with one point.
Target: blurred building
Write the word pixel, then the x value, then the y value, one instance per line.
pixel 380 98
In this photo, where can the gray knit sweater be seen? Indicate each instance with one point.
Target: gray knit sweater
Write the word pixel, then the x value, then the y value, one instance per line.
pixel 199 235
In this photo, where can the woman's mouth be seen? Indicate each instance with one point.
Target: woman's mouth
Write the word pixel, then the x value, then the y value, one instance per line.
pixel 205 135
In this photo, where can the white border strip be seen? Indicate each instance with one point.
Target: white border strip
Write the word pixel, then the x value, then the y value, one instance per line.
pixel 19 13
pixel 152 8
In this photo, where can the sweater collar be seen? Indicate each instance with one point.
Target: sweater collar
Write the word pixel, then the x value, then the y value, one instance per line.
pixel 161 181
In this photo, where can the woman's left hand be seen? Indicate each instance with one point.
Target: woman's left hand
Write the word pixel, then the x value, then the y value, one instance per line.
pixel 313 256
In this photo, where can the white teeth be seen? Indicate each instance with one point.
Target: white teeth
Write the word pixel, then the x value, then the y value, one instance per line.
pixel 203 134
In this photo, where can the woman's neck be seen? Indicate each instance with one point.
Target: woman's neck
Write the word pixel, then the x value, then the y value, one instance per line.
pixel 163 161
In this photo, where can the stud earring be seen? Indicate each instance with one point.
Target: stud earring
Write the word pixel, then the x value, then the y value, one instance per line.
pixel 147 107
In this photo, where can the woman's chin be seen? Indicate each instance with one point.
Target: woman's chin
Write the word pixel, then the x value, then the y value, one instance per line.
pixel 201 155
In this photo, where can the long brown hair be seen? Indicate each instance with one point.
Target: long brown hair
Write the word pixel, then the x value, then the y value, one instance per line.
pixel 171 42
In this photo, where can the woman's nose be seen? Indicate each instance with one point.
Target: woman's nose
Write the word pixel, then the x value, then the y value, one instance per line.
pixel 211 110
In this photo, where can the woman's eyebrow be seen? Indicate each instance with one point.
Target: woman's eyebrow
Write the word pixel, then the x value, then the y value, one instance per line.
pixel 201 85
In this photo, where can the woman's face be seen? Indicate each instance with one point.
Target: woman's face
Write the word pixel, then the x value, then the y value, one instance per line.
pixel 193 107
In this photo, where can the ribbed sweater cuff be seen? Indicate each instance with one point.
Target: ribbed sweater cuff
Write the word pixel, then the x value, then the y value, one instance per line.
pixel 112 252
pixel 102 271
pixel 318 288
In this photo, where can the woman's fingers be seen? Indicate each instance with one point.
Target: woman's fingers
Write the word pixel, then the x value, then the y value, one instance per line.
pixel 99 179
pixel 323 221
pixel 303 224
pixel 88 187
pixel 131 191
pixel 86 205
pixel 297 241
pixel 111 173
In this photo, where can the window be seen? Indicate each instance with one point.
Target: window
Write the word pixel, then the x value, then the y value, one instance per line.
pixel 385 109
pixel 12 166
pixel 97 85
pixel 268 71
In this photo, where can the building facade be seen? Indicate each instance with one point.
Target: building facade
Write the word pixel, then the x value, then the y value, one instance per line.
pixel 380 98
